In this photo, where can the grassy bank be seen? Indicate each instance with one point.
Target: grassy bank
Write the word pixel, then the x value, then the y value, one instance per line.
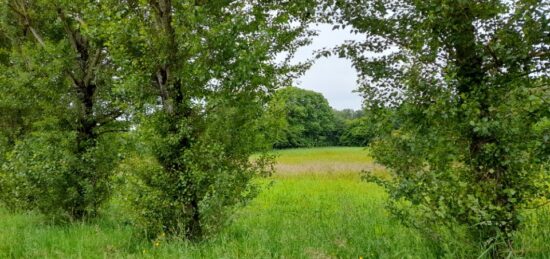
pixel 317 208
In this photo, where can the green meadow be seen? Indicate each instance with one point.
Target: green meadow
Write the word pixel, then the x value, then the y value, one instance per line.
pixel 314 206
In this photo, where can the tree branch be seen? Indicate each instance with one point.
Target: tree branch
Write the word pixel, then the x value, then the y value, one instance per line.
pixel 92 64
pixel 112 131
pixel 111 116
pixel 26 21
pixel 68 30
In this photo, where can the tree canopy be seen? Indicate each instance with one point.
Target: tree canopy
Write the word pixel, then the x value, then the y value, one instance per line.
pixel 305 119
pixel 206 69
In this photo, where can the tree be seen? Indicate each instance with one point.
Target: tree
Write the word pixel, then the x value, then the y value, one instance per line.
pixel 202 71
pixel 59 71
pixel 470 80
pixel 307 119
pixel 357 132
pixel 13 110
pixel 348 114
pixel 357 128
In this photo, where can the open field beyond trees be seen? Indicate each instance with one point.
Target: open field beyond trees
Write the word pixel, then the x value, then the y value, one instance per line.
pixel 191 129
pixel 315 206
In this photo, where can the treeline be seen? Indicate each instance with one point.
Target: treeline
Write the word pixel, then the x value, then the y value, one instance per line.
pixel 303 118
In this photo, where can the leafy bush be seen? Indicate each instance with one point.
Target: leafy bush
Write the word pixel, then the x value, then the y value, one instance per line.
pixel 44 172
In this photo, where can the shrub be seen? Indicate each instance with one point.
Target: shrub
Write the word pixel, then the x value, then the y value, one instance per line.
pixel 43 172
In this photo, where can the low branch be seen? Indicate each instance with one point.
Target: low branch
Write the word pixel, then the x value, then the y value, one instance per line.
pixel 539 54
pixel 109 117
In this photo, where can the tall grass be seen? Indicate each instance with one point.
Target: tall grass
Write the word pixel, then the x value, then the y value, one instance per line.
pixel 300 214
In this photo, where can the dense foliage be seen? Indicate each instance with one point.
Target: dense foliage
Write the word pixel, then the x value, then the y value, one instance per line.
pixel 355 127
pixel 204 71
pixel 457 107
pixel 470 80
pixel 297 118
pixel 303 119
pixel 356 132
pixel 59 103
pixel 189 78
pixel 348 114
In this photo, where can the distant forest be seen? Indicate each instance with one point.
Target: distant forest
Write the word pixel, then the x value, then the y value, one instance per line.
pixel 304 118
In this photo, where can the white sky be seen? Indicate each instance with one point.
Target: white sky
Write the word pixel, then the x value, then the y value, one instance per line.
pixel 333 77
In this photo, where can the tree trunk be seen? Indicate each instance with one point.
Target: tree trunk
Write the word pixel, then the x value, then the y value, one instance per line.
pixel 471 75
pixel 194 229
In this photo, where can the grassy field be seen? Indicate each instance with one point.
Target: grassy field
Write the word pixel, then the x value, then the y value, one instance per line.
pixel 315 207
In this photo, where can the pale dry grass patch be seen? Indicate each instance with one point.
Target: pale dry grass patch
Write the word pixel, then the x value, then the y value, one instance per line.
pixel 325 167
pixel 338 162
pixel 315 253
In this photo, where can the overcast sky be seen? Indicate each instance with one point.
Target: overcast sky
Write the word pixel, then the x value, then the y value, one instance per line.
pixel 333 77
